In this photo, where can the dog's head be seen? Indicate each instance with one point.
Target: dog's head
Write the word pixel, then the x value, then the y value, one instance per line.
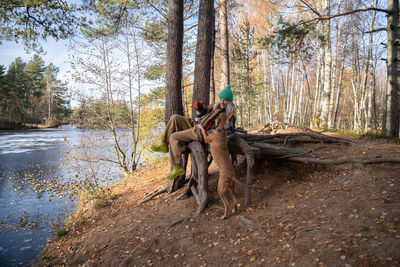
pixel 222 121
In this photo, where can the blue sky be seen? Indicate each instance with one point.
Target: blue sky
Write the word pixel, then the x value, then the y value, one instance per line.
pixel 56 52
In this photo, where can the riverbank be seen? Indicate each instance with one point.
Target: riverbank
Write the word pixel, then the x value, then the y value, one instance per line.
pixel 344 215
pixel 30 126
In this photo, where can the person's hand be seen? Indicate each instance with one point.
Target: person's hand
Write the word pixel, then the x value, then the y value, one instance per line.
pixel 200 126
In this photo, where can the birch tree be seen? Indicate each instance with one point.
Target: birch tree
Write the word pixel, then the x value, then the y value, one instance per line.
pixel 393 62
pixel 327 66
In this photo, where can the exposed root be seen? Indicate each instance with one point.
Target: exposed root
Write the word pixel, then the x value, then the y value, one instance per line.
pixel 149 196
pixel 184 219
pixel 376 160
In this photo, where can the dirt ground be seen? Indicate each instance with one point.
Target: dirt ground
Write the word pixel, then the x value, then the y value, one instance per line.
pixel 343 215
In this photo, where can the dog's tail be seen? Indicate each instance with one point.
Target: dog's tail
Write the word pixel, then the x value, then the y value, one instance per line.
pixel 243 184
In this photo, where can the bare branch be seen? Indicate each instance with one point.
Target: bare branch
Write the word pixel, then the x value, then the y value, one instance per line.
pixel 159 11
pixel 191 27
pixel 188 63
pixel 344 14
pixel 376 30
pixel 311 8
pixel 191 15
pixel 188 9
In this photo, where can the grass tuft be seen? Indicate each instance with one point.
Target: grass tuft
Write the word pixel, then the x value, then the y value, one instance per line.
pixel 42 257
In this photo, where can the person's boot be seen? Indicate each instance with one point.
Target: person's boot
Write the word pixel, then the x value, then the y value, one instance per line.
pixel 162 147
pixel 177 171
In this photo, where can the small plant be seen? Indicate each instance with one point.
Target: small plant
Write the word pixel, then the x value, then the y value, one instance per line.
pixel 42 257
pixel 101 203
pixel 61 232
pixel 317 122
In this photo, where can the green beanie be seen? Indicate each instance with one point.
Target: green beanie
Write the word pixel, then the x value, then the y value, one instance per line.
pixel 226 93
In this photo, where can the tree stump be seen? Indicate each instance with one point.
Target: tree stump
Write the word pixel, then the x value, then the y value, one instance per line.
pixel 198 181
pixel 180 181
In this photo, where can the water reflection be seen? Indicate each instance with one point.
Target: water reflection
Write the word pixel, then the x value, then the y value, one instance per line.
pixel 26 215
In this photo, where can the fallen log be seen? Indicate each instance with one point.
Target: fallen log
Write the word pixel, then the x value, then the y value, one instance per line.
pixel 270 147
pixel 376 160
pixel 306 137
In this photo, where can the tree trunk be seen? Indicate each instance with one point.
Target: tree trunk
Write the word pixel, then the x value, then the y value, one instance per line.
pixel 367 97
pixel 267 93
pixel 294 95
pixel 223 28
pixel 275 94
pixel 338 94
pixel 300 111
pixel 286 90
pixel 327 61
pixel 201 87
pixel 317 97
pixel 212 71
pixel 173 104
pixel 200 189
pixel 393 61
pixel 49 91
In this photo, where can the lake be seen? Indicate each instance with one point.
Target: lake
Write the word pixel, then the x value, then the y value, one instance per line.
pixel 26 215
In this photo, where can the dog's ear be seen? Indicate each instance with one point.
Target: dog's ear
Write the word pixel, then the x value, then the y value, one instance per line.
pixel 230 115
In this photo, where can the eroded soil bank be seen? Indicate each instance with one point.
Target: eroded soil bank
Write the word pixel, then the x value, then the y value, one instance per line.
pixel 344 215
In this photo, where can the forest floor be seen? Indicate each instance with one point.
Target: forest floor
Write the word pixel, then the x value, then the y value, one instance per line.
pixel 342 215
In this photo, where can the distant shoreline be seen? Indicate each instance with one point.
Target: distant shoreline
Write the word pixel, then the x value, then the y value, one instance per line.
pixel 30 126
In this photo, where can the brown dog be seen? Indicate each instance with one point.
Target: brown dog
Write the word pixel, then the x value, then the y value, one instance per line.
pixel 220 153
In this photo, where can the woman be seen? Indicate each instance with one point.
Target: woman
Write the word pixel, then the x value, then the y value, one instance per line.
pixel 180 131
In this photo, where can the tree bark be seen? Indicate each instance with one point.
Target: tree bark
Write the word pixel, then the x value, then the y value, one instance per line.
pixel 200 192
pixel 201 87
pixel 393 61
pixel 173 104
pixel 212 71
pixel 338 95
pixel 223 28
pixel 368 76
pixel 275 94
pixel 327 61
